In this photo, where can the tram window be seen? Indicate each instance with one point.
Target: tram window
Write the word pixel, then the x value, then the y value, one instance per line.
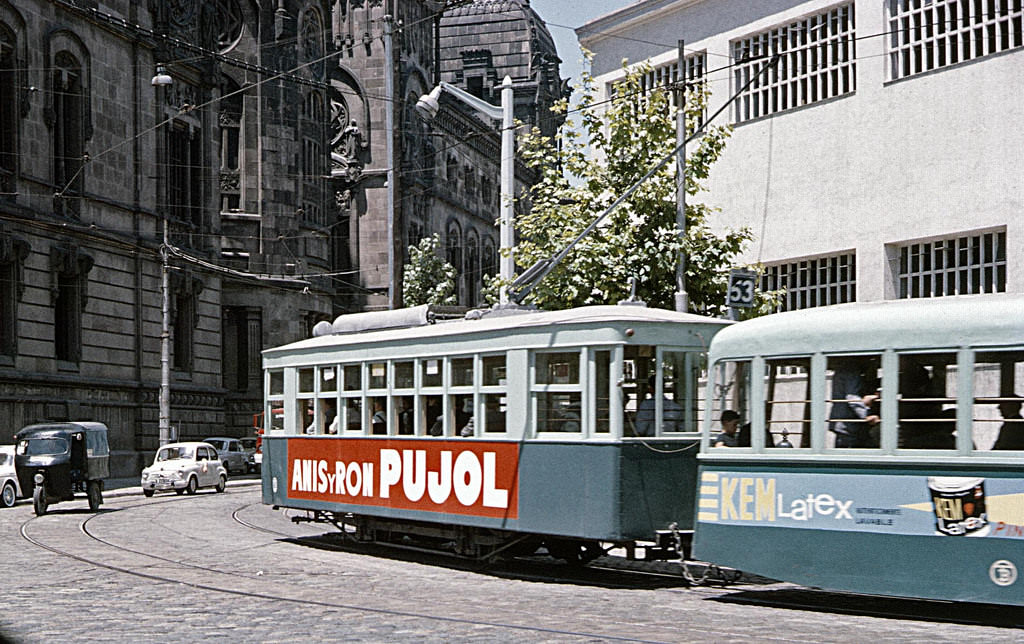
pixel 558 368
pixel 787 402
pixel 327 417
pixel 927 410
pixel 306 380
pixel 854 387
pixel 602 390
pixel 432 415
pixel 327 380
pixel 276 416
pixel 462 372
pixel 432 373
pixel 494 413
pixel 731 392
pixel 404 373
pixel 403 410
pixel 378 375
pixel 998 379
pixel 353 421
pixel 461 415
pixel 558 412
pixel 305 423
pixel 494 370
pixel 679 392
pixel 276 383
pixel 638 368
pixel 378 415
pixel 353 378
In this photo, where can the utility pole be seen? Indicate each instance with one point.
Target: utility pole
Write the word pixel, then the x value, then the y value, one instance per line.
pixel 165 342
pixel 389 139
pixel 682 300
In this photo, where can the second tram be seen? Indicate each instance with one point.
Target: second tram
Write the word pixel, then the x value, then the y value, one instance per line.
pixel 566 429
pixel 903 467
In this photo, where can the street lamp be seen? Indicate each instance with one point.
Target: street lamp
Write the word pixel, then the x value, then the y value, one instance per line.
pixel 162 79
pixel 428 105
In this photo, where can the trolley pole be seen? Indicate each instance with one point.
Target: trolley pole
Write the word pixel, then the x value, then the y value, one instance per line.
pixel 682 300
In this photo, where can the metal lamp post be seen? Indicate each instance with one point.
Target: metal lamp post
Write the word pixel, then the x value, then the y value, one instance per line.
pixel 162 79
pixel 428 105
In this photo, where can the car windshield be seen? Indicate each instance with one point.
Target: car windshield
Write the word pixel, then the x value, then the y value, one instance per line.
pixel 172 453
pixel 43 446
pixel 216 443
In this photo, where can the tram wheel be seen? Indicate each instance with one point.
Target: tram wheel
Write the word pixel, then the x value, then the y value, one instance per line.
pixel 95 495
pixel 573 552
pixel 9 495
pixel 39 502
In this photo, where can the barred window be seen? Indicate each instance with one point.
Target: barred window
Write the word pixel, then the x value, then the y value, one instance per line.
pixel 665 76
pixel 930 34
pixel 955 266
pixel 817 62
pixel 813 282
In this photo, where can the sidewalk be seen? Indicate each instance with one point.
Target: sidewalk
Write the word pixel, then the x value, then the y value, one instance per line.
pixel 129 486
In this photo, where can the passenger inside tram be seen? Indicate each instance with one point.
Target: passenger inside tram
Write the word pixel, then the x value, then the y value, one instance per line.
pixel 728 437
pixel 924 424
pixel 1011 432
pixel 671 413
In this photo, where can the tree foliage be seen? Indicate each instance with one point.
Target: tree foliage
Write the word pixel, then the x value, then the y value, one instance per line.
pixel 429 279
pixel 640 239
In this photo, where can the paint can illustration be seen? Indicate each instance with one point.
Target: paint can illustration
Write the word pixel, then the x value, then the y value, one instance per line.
pixel 959 504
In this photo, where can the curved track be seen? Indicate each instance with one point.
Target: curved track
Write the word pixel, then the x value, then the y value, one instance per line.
pixel 302 567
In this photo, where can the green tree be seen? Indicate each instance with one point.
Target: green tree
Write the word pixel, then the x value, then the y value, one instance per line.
pixel 429 279
pixel 640 238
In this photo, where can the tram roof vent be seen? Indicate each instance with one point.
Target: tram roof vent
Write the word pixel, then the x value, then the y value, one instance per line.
pixel 376 320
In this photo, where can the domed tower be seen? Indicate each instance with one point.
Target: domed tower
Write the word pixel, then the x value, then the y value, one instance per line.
pixel 482 42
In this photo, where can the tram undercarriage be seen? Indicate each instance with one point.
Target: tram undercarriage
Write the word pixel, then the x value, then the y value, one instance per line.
pixel 492 546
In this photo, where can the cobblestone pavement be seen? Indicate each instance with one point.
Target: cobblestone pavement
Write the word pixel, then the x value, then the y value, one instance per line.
pixel 181 569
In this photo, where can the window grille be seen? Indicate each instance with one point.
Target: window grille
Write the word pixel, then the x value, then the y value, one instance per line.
pixel 813 282
pixel 931 34
pixel 817 62
pixel 665 76
pixel 954 266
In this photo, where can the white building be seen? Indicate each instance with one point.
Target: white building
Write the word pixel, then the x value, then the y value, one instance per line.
pixel 880 157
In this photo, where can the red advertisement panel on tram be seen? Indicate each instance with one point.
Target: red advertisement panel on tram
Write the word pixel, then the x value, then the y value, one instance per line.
pixel 472 478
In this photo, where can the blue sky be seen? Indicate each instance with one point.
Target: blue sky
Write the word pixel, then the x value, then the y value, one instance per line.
pixel 563 16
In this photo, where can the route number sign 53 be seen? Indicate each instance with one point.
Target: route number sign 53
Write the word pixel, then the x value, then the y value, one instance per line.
pixel 742 286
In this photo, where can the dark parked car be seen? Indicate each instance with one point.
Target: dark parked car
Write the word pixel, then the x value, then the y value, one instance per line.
pixel 56 460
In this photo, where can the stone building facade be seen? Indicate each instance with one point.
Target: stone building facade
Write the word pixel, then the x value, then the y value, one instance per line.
pixel 257 132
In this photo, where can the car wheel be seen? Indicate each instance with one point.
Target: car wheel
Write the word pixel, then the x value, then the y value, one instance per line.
pixel 148 493
pixel 39 501
pixel 9 495
pixel 95 495
pixel 179 491
pixel 222 483
pixel 193 485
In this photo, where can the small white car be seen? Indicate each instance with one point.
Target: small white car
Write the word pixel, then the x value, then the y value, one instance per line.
pixel 235 458
pixel 10 489
pixel 184 467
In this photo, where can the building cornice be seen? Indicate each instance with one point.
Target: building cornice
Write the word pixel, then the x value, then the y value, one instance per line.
pixel 638 13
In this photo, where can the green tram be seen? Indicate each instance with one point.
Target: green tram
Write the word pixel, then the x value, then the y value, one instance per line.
pixel 502 434
pixel 902 471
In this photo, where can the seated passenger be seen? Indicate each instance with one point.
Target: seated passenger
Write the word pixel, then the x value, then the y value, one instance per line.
pixel 1011 432
pixel 851 417
pixel 671 413
pixel 730 423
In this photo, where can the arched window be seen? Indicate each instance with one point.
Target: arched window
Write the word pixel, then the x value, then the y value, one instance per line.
pixel 454 255
pixel 68 131
pixel 8 110
pixel 473 275
pixel 231 141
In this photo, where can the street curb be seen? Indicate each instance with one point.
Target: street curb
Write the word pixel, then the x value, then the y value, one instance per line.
pixel 137 489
